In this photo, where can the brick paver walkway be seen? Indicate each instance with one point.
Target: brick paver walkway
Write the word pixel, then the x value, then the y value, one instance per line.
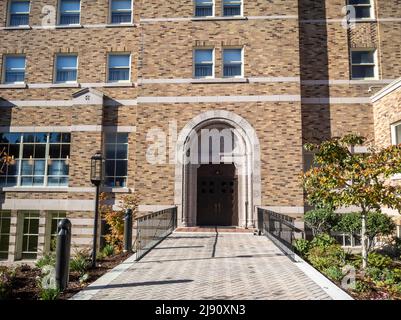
pixel 211 266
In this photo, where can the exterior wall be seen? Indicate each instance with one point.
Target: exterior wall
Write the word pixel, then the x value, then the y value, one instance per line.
pixel 297 88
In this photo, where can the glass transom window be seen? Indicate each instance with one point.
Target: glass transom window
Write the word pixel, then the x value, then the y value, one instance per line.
pixel 232 8
pixel 19 13
pixel 119 67
pixel 70 11
pixel 203 8
pixel 66 68
pixel 121 11
pixel 363 64
pixel 203 63
pixel 116 154
pixel 232 59
pixel 39 159
pixel 14 69
pixel 363 8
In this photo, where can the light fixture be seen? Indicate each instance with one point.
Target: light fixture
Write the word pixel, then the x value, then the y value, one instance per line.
pixel 49 160
pixel 30 161
pixel 67 160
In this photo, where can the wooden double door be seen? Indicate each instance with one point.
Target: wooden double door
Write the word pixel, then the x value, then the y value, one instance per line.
pixel 217 199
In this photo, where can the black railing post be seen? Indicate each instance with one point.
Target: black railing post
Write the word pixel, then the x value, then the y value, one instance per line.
pixel 128 231
pixel 260 221
pixel 63 254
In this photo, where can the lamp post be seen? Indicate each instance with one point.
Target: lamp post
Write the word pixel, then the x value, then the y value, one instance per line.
pixel 96 176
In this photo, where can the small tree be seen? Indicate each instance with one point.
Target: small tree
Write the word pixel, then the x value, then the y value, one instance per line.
pixel 320 220
pixel 5 159
pixel 343 178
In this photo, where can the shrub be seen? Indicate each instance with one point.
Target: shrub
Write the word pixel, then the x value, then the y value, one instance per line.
pixel 108 250
pixel 349 223
pixel 47 259
pixel 334 273
pixel 323 241
pixel 6 280
pixel 302 246
pixel 320 220
pixel 325 257
pixel 396 289
pixel 374 273
pixel 361 286
pixel 80 262
pixel 379 260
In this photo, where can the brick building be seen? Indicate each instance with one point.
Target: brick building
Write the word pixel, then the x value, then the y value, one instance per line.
pixel 126 77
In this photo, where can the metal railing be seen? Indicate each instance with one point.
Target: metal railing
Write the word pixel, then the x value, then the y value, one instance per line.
pixel 153 228
pixel 280 227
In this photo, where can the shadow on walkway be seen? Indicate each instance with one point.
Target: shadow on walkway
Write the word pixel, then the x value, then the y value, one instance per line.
pixel 137 284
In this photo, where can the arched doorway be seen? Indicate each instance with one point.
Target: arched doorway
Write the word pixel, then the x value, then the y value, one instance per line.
pixel 203 151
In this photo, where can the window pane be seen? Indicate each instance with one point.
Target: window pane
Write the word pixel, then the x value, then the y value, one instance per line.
pixel 398 134
pixel 110 151
pixel 121 151
pixel 110 137
pixel 27 167
pixel 120 182
pixel 39 167
pixel 19 7
pixel 121 168
pixel 54 137
pixel 119 61
pixel 10 137
pixel 122 138
pixel 28 150
pixel 121 5
pixel 363 72
pixel 58 168
pixel 65 151
pixel 362 12
pixel 232 55
pixel 70 5
pixel 15 69
pixel 66 62
pixel 203 56
pixel 26 181
pixel 359 1
pixel 362 57
pixel 13 63
pixel 54 151
pixel 40 151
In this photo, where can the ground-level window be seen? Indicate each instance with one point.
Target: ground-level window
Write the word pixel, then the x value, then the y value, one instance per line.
pixel 363 8
pixel 396 133
pixel 203 8
pixel 347 239
pixel 5 223
pixel 19 13
pixel 30 235
pixel 39 159
pixel 363 64
pixel 204 65
pixel 55 217
pixel 116 154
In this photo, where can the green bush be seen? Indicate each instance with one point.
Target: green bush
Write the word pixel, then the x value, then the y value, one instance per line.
pixel 374 273
pixel 334 273
pixel 80 262
pixel 47 259
pixel 108 250
pixel 396 289
pixel 323 241
pixel 302 246
pixel 361 286
pixel 325 257
pixel 379 260
pixel 6 280
pixel 49 294
pixel 320 220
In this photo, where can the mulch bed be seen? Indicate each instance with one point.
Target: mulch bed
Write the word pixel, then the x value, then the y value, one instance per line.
pixel 25 287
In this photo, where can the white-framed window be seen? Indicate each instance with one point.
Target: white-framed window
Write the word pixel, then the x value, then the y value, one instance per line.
pixel 232 8
pixel 66 68
pixel 119 67
pixel 30 234
pixel 121 11
pixel 5 223
pixel 204 8
pixel 204 63
pixel 18 13
pixel 116 159
pixel 363 8
pixel 69 12
pixel 364 64
pixel 39 159
pixel 14 69
pixel 233 62
pixel 396 133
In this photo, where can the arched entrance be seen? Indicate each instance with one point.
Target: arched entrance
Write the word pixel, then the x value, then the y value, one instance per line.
pixel 221 148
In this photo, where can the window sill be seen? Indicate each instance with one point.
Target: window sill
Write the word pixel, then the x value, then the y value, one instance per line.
pixel 119 84
pixel 116 189
pixel 69 26
pixel 361 20
pixel 18 28
pixel 65 85
pixel 218 18
pixel 120 25
pixel 13 86
pixel 34 189
pixel 221 80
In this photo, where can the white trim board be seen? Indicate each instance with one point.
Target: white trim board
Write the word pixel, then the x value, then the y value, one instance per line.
pixel 387 90
pixel 79 128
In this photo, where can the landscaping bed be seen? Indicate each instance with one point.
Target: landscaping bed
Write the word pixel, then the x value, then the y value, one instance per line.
pixel 23 284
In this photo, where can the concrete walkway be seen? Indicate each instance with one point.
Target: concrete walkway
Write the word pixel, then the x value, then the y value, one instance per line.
pixel 208 266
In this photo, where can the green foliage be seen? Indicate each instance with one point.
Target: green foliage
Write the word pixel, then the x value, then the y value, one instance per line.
pixel 302 246
pixel 108 250
pixel 349 223
pixel 361 286
pixel 323 241
pixel 80 262
pixel 379 260
pixel 6 280
pixel 379 224
pixel 49 294
pixel 48 258
pixel 320 220
pixel 324 257
pixel 396 289
pixel 334 273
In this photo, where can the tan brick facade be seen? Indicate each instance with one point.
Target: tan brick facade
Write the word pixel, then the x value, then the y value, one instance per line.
pixel 296 88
